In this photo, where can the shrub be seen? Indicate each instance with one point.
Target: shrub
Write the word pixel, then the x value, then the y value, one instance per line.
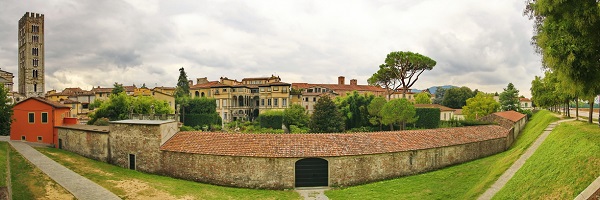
pixel 428 118
pixel 361 129
pixel 296 129
pixel 200 120
pixel 101 122
pixel 186 128
pixel 271 119
pixel 529 113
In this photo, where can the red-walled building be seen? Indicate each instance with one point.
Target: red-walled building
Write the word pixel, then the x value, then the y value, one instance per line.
pixel 35 118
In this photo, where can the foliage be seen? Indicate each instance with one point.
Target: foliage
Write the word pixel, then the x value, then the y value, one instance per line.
pixel 457 97
pixel 509 98
pixel 296 129
pixel 6 111
pixel 160 187
pixel 186 128
pixel 202 119
pixel 101 122
pixel 427 118
pixel 439 95
pixel 529 113
pixel 464 181
pixel 117 88
pixel 201 112
pixel 119 106
pixel 423 98
pixel 271 119
pixel 565 176
pixel 374 109
pixel 326 118
pixel 401 69
pixel 202 105
pixel 354 109
pixel 480 105
pixel 361 129
pixel 398 111
pixel 295 115
pixel 95 104
pixel 183 87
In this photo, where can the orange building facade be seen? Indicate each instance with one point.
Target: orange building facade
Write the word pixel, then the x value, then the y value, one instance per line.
pixel 35 119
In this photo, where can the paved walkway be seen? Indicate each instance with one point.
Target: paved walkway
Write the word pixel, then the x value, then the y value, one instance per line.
pixel 313 193
pixel 82 188
pixel 510 172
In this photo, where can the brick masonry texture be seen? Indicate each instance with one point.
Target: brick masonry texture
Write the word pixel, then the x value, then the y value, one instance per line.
pixel 88 143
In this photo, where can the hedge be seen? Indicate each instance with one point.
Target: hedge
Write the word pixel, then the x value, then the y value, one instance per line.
pixel 194 120
pixel 271 119
pixel 428 118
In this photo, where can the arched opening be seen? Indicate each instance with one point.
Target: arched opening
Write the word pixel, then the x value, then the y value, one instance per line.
pixel 241 100
pixel 312 172
pixel 202 94
pixel 197 94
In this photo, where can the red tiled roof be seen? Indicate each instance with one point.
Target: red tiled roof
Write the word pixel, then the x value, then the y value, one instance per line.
pixel 101 90
pixel 458 111
pixel 340 87
pixel 205 85
pixel 524 99
pixel 510 115
pixel 46 101
pixel 442 108
pixel 326 145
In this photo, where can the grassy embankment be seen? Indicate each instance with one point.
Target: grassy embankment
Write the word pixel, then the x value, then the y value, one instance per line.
pixel 563 166
pixel 129 184
pixel 28 182
pixel 464 181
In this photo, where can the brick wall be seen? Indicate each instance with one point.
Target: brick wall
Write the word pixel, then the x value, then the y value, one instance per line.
pixel 88 143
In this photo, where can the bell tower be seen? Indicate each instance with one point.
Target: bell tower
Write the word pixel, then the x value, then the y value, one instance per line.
pixel 31 55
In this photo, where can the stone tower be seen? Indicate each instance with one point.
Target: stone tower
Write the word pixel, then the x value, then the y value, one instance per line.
pixel 31 55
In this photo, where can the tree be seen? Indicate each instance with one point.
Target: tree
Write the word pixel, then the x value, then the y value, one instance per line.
pixel 5 111
pixel 480 105
pixel 117 88
pixel 423 98
pixel 401 69
pixel 374 110
pixel 439 95
pixel 566 35
pixel 119 106
pixel 200 112
pixel 295 115
pixel 398 111
pixel 354 109
pixel 183 87
pixel 326 118
pixel 457 97
pixel 509 98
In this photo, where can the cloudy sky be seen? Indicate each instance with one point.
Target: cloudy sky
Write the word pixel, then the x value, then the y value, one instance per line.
pixel 479 44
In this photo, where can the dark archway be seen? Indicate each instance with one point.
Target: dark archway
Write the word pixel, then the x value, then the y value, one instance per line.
pixel 312 172
pixel 197 93
pixel 202 94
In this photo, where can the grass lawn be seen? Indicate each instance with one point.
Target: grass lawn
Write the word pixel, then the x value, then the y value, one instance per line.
pixel 464 181
pixel 563 166
pixel 3 156
pixel 129 184
pixel 28 182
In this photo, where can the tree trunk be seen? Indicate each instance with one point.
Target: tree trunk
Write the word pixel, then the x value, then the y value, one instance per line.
pixel 391 127
pixel 591 114
pixel 576 108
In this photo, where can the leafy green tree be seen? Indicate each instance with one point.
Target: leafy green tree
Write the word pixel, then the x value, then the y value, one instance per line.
pixel 201 112
pixel 117 88
pixel 439 95
pixel 295 115
pixel 423 98
pixel 119 106
pixel 5 111
pixel 326 118
pixel 354 109
pixel 374 109
pixel 509 98
pixel 480 105
pixel 183 87
pixel 401 69
pixel 457 97
pixel 398 111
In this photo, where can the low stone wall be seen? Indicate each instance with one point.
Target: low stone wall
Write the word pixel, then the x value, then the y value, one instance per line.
pixel 85 141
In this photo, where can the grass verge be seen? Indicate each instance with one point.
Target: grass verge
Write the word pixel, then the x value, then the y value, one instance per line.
pixel 563 166
pixel 129 184
pixel 3 167
pixel 28 182
pixel 464 181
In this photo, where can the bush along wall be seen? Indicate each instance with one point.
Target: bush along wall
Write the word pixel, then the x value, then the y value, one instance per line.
pixel 271 119
pixel 201 120
pixel 428 118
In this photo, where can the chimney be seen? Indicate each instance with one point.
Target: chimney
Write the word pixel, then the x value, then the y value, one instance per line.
pixel 201 80
pixel 190 82
pixel 353 82
pixel 341 80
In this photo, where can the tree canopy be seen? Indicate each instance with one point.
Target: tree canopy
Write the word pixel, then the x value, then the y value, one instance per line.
pixel 354 109
pixel 295 115
pixel 423 98
pixel 480 105
pixel 5 111
pixel 183 87
pixel 439 95
pixel 326 118
pixel 509 98
pixel 374 109
pixel 117 88
pixel 457 97
pixel 119 106
pixel 398 111
pixel 401 69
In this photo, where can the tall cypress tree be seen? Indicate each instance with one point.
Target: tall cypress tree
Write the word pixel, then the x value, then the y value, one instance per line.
pixel 326 117
pixel 5 111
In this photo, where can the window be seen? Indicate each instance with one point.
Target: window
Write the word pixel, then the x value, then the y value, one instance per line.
pixel 224 89
pixel 35 62
pixel 262 102
pixel 284 89
pixel 35 28
pixel 262 89
pixel 197 94
pixel 39 138
pixel 225 115
pixel 268 89
pixel 217 103
pixel 306 99
pixel 275 88
pixel 224 102
pixel 275 101
pixel 314 99
pixel 268 102
pixel 44 117
pixel 23 137
pixel 35 51
pixel 284 102
pixel 35 38
pixel 31 117
pixel 84 106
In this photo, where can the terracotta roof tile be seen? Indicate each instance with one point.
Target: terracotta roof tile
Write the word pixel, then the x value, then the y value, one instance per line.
pixel 442 108
pixel 46 101
pixel 205 85
pixel 510 115
pixel 524 99
pixel 339 87
pixel 326 145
